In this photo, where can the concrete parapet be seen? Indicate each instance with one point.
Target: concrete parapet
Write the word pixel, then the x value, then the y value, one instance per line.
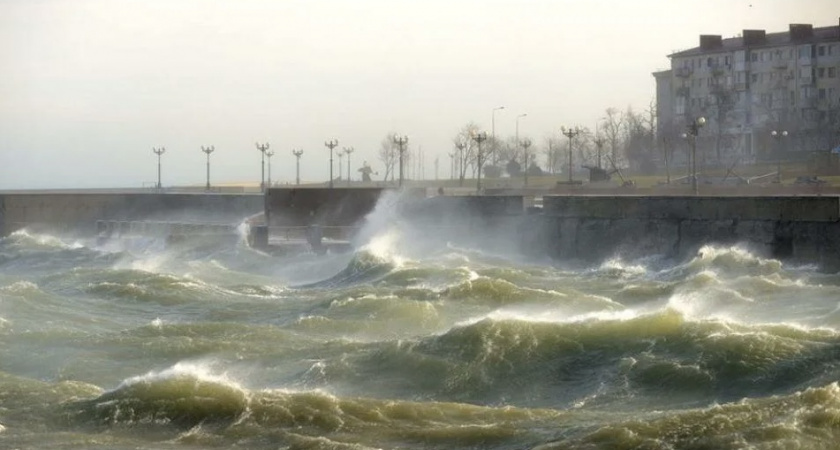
pixel 809 209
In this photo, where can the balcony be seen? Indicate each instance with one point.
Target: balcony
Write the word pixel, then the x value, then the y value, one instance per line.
pixel 741 86
pixel 806 81
pixel 781 64
pixel 683 91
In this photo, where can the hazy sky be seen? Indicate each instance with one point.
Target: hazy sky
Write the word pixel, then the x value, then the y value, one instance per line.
pixel 88 87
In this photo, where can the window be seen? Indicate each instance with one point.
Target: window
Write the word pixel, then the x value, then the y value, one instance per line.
pixel 822 93
pixel 727 60
pixel 754 78
pixel 821 72
pixel 832 72
pixel 821 51
pixel 753 56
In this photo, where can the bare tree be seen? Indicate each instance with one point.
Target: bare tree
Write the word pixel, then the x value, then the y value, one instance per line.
pixel 612 128
pixel 388 155
pixel 466 149
pixel 552 149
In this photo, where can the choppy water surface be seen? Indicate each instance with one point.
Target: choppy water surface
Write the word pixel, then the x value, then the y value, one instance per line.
pixel 132 344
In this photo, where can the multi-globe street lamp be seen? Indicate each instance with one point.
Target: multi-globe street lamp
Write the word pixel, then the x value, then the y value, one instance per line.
pixel 525 144
pixel 269 154
pixel 262 148
pixel 348 151
pixel 297 153
pixel 401 141
pixel 570 133
pixel 158 151
pixel 691 132
pixel 207 151
pixel 479 138
pixel 331 144
pixel 777 136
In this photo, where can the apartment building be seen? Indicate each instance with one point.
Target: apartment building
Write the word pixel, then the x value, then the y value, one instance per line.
pixel 750 85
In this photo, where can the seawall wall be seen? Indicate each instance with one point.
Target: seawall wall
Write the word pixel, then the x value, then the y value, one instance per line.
pixel 805 229
pixel 79 212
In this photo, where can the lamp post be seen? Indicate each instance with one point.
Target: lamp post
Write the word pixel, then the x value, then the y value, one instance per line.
pixel 269 154
pixel 479 138
pixel 777 136
pixel 401 141
pixel 331 144
pixel 525 144
pixel 493 131
pixel 692 130
pixel 570 133
pixel 297 153
pixel 262 148
pixel 208 151
pixel 159 151
pixel 348 151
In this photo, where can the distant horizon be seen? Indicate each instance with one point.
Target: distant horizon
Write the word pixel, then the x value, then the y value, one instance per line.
pixel 89 87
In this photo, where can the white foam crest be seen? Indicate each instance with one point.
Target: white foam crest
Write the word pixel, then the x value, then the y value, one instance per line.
pixel 200 371
pixel 384 246
pixel 47 240
pixel 157 323
pixel 20 287
pixel 626 268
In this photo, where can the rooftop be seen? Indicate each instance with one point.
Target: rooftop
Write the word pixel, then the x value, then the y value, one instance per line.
pixel 797 34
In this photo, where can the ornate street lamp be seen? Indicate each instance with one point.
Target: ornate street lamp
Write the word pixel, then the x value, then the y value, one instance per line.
pixel 208 151
pixel 269 154
pixel 692 130
pixel 262 148
pixel 525 144
pixel 297 154
pixel 331 144
pixel 159 151
pixel 479 138
pixel 570 133
pixel 401 141
pixel 348 151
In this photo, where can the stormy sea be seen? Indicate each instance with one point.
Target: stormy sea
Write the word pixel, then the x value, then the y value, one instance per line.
pixel 409 342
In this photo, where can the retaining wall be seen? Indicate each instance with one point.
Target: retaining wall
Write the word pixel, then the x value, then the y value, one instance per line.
pixel 803 229
pixel 80 211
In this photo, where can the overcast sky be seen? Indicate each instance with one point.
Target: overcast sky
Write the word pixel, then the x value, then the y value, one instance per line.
pixel 88 87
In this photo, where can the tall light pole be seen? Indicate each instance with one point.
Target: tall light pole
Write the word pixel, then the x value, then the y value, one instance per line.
pixel 348 151
pixel 691 132
pixel 297 153
pixel 401 141
pixel 570 133
pixel 493 131
pixel 208 151
pixel 525 144
pixel 159 151
pixel 262 148
pixel 331 144
pixel 517 130
pixel 479 138
pixel 777 136
pixel 269 154
pixel 452 165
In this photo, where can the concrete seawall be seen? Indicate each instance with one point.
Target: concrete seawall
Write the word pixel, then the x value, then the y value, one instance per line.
pixel 78 212
pixel 805 229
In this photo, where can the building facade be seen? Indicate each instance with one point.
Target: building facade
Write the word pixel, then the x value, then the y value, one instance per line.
pixel 749 86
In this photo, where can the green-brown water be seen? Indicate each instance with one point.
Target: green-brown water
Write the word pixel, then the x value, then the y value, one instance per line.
pixel 130 344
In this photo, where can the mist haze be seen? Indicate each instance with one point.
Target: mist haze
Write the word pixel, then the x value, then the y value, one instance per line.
pixel 88 87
